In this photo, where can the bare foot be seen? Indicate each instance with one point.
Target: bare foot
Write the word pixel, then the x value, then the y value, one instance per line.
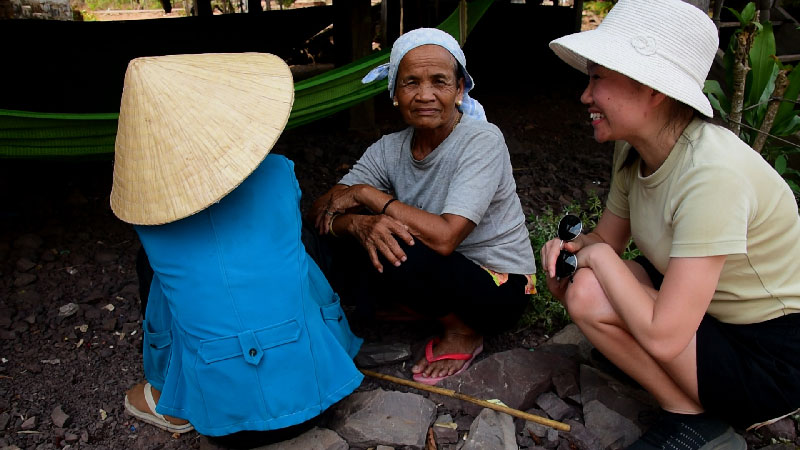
pixel 451 342
pixel 136 398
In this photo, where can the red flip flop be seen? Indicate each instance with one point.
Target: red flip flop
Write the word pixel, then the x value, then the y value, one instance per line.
pixel 468 357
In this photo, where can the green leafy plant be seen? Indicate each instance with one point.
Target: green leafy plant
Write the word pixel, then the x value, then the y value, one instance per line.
pixel 758 105
pixel 546 310
pixel 599 7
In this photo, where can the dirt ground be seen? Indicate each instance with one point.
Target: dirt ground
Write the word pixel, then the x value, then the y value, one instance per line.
pixel 70 331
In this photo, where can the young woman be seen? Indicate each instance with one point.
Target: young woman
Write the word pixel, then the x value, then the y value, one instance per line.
pixel 709 322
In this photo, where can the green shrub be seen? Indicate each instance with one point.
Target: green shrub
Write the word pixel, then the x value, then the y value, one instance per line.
pixel 599 7
pixel 748 105
pixel 545 310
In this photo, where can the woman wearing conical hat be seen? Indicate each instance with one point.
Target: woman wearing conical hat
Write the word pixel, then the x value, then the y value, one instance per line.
pixel 242 333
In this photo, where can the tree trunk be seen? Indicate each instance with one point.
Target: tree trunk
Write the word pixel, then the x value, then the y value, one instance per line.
pixel 203 7
pixel 352 39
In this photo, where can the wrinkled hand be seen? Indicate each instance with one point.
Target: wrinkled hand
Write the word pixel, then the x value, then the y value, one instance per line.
pixel 379 234
pixel 338 202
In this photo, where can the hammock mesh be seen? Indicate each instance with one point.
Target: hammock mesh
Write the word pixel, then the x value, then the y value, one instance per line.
pixel 25 134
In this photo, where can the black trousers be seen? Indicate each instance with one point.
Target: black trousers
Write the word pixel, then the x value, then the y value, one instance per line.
pixel 429 283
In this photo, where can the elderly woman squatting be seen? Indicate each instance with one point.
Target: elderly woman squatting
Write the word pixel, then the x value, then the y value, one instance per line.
pixel 445 234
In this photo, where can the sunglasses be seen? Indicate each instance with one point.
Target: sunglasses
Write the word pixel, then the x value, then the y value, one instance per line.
pixel 569 228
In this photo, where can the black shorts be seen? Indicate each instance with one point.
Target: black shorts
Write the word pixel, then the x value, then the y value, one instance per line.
pixel 749 373
pixel 746 374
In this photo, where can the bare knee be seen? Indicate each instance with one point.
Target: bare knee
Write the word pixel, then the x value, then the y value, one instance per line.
pixel 585 300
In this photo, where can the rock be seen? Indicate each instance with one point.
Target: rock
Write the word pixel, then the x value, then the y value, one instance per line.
pixel 313 439
pixel 384 447
pixel 68 309
pixel 105 257
pixel 28 424
pixel 566 386
pixel 581 437
pixel 366 419
pixel 91 313
pixel 515 377
pixel 71 437
pixel 445 430
pixel 7 335
pixel 29 241
pixel 491 430
pixel 611 428
pixel 782 429
pixel 28 298
pixel 33 368
pixel 59 417
pixel 24 279
pixel 632 403
pixel 20 326
pixel 49 255
pixel 571 334
pixel 109 324
pixel 556 408
pixel 378 354
pixel 4 417
pixel 25 264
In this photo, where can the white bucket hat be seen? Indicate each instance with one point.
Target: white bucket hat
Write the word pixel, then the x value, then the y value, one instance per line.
pixel 668 45
pixel 192 128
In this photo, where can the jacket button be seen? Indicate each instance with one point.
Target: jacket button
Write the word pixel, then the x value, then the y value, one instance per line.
pixel 253 352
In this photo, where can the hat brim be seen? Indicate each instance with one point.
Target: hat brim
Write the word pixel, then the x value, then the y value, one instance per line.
pixel 612 52
pixel 192 128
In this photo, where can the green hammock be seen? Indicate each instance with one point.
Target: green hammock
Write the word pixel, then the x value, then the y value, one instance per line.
pixel 25 134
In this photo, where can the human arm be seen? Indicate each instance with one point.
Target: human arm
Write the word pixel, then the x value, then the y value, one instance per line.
pixel 664 326
pixel 379 233
pixel 611 229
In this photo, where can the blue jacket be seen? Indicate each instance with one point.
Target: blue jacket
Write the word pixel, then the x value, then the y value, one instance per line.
pixel 242 330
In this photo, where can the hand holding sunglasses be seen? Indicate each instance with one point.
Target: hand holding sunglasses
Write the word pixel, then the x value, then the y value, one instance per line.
pixel 569 228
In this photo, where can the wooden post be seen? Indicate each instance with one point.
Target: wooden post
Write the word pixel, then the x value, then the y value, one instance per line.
pixel 203 7
pixel 390 22
pixel 578 5
pixel 352 39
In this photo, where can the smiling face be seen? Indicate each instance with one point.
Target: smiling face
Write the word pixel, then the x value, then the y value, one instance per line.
pixel 427 87
pixel 618 105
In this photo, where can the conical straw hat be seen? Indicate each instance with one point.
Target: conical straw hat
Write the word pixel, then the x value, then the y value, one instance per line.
pixel 192 128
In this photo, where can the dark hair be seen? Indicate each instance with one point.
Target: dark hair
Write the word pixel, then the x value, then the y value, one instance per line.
pixel 677 113
pixel 458 71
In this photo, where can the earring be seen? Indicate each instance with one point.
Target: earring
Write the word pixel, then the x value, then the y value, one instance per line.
pixel 458 103
pixel 395 103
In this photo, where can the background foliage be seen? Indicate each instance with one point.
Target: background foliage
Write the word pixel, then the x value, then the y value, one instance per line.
pixel 759 85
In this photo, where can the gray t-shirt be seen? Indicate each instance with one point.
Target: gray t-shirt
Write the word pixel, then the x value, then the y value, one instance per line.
pixel 469 174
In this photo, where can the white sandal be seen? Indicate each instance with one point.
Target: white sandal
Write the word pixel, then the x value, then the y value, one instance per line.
pixel 155 418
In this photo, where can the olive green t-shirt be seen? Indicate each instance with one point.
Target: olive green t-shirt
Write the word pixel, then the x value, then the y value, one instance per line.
pixel 714 195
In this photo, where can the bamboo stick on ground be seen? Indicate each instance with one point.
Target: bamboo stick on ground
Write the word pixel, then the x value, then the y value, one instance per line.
pixel 451 393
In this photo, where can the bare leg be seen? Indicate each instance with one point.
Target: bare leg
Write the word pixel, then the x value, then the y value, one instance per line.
pixel 457 338
pixel 136 397
pixel 673 383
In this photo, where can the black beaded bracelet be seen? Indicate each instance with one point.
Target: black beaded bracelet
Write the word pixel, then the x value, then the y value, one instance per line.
pixel 383 211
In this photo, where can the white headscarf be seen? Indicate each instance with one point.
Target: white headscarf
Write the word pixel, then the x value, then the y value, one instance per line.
pixel 427 36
